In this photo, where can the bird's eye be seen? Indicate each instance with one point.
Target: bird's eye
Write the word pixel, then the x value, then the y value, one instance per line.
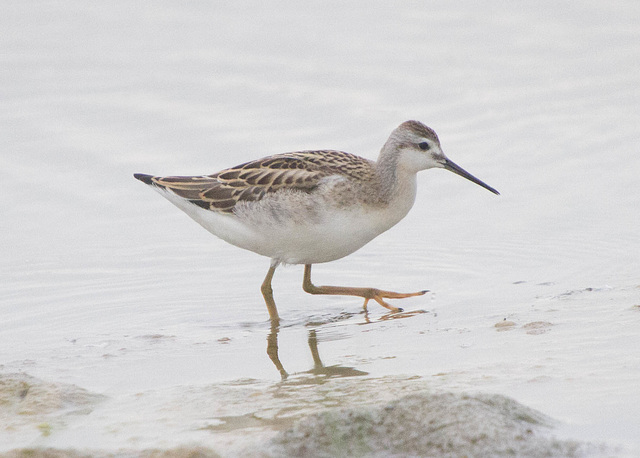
pixel 424 146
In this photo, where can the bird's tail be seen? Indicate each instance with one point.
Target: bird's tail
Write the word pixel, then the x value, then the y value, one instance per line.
pixel 146 179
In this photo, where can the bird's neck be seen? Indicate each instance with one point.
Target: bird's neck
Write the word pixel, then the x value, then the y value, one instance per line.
pixel 395 181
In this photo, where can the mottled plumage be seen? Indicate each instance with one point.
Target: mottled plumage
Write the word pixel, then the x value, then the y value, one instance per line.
pixel 308 207
pixel 248 182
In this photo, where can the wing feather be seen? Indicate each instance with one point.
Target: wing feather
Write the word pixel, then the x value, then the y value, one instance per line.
pixel 250 181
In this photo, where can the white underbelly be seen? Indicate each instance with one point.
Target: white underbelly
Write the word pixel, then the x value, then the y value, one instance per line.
pixel 317 242
pixel 308 235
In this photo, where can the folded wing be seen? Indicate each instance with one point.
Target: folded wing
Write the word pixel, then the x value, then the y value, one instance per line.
pixel 251 181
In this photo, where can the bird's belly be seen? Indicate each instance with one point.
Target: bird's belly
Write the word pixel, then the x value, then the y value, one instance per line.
pixel 304 236
pixel 319 242
pixel 317 233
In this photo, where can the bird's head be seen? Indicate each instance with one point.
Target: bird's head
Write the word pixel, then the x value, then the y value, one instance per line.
pixel 418 148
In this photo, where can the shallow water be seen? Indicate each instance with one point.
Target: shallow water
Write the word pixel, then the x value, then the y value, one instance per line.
pixel 107 287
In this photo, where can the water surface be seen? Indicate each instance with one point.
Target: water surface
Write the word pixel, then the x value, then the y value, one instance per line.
pixel 108 288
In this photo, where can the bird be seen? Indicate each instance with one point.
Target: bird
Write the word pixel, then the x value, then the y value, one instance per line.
pixel 312 206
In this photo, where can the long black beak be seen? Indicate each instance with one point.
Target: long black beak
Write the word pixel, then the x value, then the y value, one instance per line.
pixel 453 167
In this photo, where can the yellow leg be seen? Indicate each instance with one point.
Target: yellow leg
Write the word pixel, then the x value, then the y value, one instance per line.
pixel 267 293
pixel 377 295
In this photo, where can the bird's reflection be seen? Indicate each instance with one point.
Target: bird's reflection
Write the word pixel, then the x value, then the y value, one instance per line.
pixel 272 349
pixel 320 372
pixel 393 315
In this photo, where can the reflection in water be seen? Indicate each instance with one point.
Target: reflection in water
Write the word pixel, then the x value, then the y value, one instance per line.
pixel 320 372
pixel 394 315
pixel 272 349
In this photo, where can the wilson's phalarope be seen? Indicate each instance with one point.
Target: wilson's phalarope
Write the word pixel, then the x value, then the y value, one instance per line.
pixel 308 207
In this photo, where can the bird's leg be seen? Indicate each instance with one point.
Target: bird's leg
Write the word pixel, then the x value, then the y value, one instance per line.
pixel 377 295
pixel 267 293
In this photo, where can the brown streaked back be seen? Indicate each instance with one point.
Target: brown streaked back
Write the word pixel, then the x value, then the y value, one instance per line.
pixel 250 181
